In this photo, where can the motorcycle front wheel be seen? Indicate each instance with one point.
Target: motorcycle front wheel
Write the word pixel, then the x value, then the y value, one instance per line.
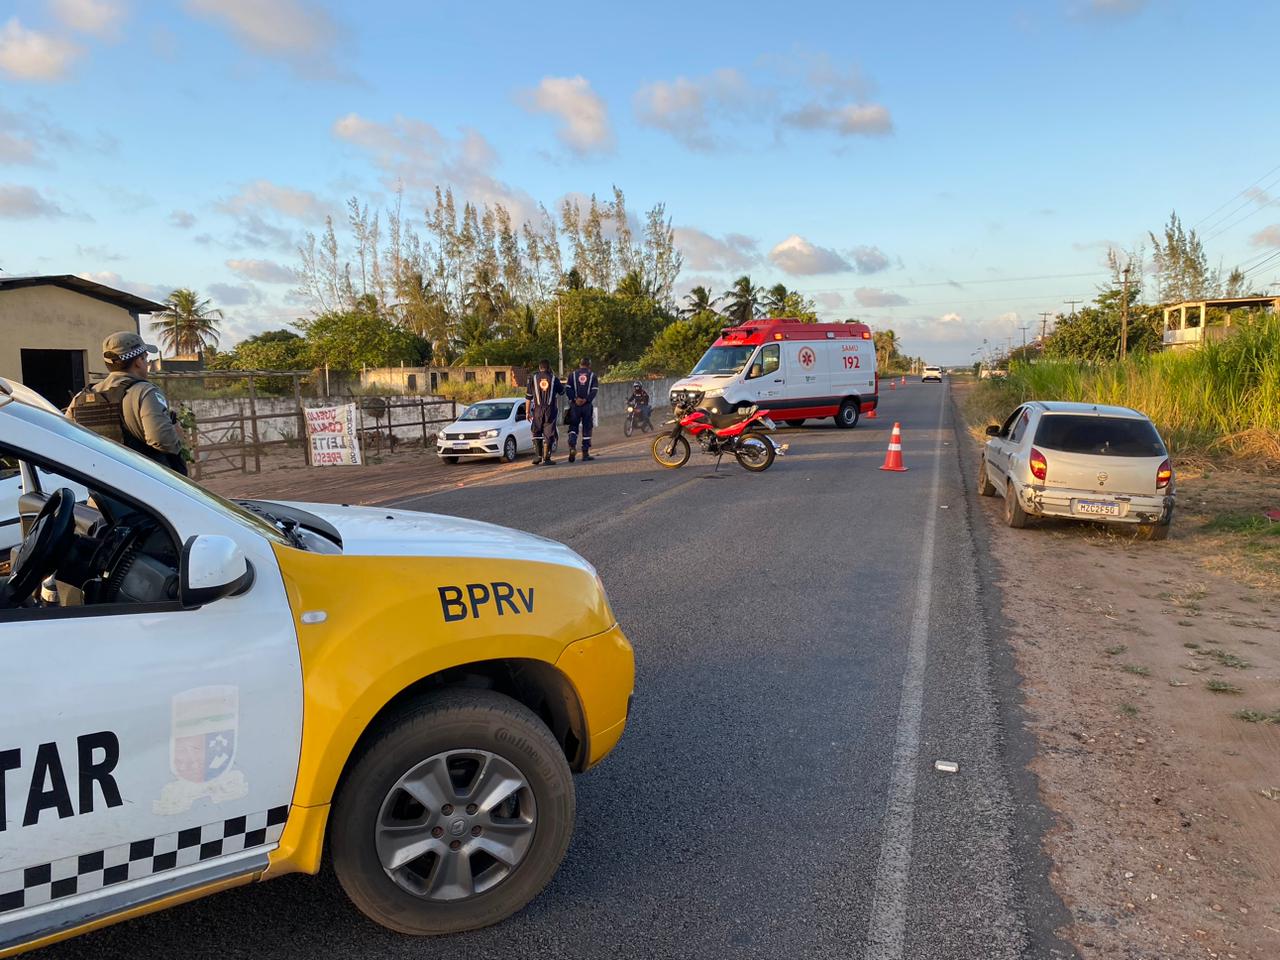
pixel 628 426
pixel 755 452
pixel 670 450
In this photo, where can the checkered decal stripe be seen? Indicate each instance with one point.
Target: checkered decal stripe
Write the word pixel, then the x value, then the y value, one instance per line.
pixel 69 876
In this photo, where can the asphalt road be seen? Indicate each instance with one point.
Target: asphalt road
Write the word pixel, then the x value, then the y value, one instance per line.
pixel 809 642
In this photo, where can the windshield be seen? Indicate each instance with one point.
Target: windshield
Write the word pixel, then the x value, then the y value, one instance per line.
pixel 60 425
pixel 487 411
pixel 1101 436
pixel 724 359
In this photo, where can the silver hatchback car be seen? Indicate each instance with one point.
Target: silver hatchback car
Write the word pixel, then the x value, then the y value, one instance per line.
pixel 1080 462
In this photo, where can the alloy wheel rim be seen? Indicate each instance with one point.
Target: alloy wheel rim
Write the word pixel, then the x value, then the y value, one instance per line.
pixel 455 825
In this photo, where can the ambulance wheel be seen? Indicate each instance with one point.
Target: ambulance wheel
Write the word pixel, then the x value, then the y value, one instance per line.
pixel 669 451
pixel 795 423
pixel 455 815
pixel 847 415
pixel 449 459
pixel 509 450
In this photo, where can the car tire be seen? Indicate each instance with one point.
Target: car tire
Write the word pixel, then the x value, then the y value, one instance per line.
pixel 447 732
pixel 847 415
pixel 449 459
pixel 510 449
pixel 795 423
pixel 985 487
pixel 1159 530
pixel 1014 515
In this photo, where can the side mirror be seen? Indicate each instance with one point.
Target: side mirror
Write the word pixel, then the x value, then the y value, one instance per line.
pixel 212 567
pixel 993 430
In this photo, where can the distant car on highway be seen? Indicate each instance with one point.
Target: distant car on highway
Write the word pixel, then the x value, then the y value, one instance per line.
pixel 931 373
pixel 493 429
pixel 1081 462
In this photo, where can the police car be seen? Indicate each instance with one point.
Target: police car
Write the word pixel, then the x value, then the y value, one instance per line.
pixel 216 690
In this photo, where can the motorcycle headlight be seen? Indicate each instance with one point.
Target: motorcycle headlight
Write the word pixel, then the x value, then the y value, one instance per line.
pixel 491 434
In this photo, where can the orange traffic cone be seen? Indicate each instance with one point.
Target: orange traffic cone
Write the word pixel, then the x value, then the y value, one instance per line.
pixel 904 381
pixel 871 414
pixel 893 384
pixel 893 459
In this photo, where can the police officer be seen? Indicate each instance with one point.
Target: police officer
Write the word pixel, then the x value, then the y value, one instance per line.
pixel 540 395
pixel 127 407
pixel 582 390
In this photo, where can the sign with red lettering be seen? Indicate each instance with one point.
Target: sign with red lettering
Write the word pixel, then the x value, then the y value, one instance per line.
pixel 333 436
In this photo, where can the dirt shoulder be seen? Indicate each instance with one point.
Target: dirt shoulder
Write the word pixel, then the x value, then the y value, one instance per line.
pixel 1151 677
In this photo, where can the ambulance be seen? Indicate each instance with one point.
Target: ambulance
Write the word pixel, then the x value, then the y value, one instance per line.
pixel 198 694
pixel 797 371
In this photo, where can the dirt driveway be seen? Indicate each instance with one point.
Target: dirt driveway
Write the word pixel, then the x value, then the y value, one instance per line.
pixel 1151 676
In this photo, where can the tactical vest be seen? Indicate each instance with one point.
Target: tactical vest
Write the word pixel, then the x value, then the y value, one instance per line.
pixel 103 413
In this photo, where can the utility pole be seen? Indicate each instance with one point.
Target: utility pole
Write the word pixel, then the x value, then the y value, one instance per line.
pixel 1073 306
pixel 559 338
pixel 1044 323
pixel 1024 328
pixel 1124 314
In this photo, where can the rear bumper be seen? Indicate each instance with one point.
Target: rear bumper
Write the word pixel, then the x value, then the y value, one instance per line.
pixel 1056 502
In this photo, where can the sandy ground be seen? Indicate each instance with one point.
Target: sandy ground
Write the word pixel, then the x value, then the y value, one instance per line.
pixel 1167 842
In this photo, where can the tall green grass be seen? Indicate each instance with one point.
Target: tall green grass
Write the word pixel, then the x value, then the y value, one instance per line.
pixel 1221 398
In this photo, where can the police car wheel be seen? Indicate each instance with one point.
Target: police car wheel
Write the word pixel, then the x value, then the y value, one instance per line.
pixel 449 459
pixel 509 450
pixel 455 816
pixel 795 423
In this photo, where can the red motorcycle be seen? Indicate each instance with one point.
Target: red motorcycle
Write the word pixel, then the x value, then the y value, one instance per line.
pixel 744 434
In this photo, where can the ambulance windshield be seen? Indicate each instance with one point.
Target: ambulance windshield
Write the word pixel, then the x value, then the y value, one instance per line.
pixel 723 360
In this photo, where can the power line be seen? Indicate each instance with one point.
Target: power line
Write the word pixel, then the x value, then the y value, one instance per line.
pixel 1235 197
pixel 964 283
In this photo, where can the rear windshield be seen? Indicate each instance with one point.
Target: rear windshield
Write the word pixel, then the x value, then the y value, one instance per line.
pixel 1103 436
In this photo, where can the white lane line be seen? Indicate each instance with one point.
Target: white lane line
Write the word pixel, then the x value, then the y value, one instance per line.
pixel 887 924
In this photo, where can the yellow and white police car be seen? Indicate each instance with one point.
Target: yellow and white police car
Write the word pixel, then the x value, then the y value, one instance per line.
pixel 197 694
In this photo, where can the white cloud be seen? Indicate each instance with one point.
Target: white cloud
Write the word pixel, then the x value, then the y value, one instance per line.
pixel 956 318
pixel 182 219
pixel 683 106
pixel 584 118
pixel 98 17
pixel 302 34
pixel 109 278
pixel 869 259
pixel 99 252
pixel 27 135
pixel 1267 237
pixel 830 300
pixel 234 295
pixel 848 120
pixel 875 297
pixel 414 154
pixel 702 251
pixel 31 55
pixel 798 257
pixel 263 194
pixel 264 271
pixel 26 203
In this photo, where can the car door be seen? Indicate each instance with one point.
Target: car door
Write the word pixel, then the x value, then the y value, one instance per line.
pixel 524 434
pixel 1000 447
pixel 145 749
pixel 765 379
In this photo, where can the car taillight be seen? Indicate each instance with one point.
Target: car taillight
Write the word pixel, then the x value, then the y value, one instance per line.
pixel 1039 465
pixel 1164 475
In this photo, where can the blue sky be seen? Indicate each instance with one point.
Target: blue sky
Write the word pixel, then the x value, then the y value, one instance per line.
pixel 915 165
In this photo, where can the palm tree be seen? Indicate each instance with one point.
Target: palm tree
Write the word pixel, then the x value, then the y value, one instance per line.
pixel 635 286
pixel 775 301
pixel 744 300
pixel 699 300
pixel 189 326
pixel 485 294
pixel 886 343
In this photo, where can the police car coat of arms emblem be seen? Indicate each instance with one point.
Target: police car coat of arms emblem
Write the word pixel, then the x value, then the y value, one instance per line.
pixel 202 749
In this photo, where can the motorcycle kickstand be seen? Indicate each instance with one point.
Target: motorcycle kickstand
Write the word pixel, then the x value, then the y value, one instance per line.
pixel 718 459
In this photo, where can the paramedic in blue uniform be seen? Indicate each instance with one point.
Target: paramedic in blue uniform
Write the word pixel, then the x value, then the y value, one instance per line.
pixel 581 391
pixel 540 394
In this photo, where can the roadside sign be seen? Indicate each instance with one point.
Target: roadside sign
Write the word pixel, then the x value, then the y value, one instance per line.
pixel 332 436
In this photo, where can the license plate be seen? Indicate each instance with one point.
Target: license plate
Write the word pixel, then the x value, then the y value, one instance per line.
pixel 1098 508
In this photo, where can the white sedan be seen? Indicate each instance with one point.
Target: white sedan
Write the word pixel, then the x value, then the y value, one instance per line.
pixel 488 429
